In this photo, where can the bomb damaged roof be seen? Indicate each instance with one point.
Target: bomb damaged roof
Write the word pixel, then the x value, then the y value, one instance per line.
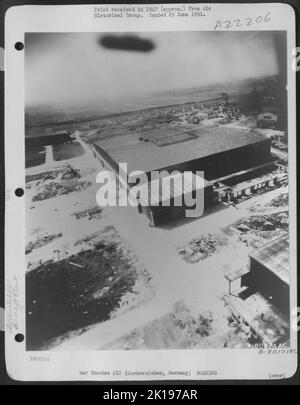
pixel 170 146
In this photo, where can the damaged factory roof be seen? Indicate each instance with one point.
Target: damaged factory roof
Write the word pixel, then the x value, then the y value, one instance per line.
pixel 167 147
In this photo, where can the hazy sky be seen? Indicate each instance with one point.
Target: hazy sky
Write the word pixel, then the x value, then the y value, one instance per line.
pixel 76 67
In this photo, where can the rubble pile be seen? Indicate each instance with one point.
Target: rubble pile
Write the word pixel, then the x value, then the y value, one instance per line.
pixel 255 230
pixel 105 237
pixel 55 189
pixel 202 247
pixel 49 175
pixel 71 173
pixel 90 213
pixel 41 241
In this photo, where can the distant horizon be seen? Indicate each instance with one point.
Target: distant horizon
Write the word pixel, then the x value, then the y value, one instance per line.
pixel 75 68
pixel 81 105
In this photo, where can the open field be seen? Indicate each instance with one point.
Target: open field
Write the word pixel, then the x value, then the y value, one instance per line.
pixel 67 150
pixel 34 156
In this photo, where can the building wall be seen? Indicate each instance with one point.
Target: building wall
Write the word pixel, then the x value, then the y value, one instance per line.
pixel 106 161
pixel 262 280
pixel 228 162
pixel 160 215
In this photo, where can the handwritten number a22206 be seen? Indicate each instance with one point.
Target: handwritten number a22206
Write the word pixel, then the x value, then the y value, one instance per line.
pixel 238 22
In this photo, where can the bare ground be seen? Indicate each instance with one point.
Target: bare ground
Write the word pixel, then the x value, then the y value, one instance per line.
pixel 181 329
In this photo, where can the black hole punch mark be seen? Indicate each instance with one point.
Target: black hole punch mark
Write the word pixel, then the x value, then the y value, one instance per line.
pixel 19 337
pixel 19 46
pixel 19 192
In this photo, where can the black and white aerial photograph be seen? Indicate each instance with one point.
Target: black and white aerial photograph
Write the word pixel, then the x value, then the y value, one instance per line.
pixel 105 273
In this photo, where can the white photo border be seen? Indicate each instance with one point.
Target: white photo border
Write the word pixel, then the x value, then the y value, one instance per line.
pixel 66 366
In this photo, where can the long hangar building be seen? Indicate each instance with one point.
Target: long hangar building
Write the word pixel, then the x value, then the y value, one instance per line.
pixel 219 152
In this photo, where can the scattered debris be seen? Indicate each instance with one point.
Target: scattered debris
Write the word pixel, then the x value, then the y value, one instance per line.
pixel 202 247
pixel 281 201
pixel 41 241
pixel 71 173
pixel 255 230
pixel 55 189
pixel 48 175
pixel 90 213
pixel 181 329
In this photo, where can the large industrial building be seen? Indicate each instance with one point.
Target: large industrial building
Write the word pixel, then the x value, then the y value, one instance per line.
pixel 261 303
pixel 218 152
pixel 269 273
